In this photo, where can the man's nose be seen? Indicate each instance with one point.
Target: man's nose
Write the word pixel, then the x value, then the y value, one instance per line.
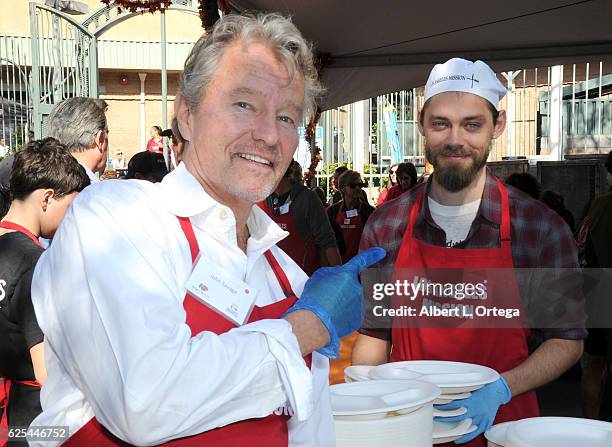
pixel 455 138
pixel 266 129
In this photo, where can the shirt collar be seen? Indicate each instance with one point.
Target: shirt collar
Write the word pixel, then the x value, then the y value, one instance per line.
pixel 184 196
pixel 490 204
pixel 92 177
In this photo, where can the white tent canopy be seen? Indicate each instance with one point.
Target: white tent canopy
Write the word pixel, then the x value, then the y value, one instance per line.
pixel 381 46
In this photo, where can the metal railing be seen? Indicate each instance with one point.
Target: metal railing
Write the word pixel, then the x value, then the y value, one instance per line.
pixel 15 99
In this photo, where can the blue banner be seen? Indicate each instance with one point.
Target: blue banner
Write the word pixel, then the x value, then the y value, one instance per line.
pixel 393 140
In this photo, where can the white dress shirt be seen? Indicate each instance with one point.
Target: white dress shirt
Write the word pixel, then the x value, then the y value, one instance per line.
pixel 108 296
pixel 93 178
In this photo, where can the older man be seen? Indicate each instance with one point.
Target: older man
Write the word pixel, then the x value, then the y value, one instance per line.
pixel 80 125
pixel 169 312
pixel 464 218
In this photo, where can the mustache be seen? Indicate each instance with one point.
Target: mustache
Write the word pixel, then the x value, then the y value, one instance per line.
pixel 454 151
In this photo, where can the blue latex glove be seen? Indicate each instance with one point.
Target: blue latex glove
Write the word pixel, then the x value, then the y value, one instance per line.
pixel 335 295
pixel 481 406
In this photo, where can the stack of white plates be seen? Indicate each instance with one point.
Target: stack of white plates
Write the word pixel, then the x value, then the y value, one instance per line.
pixel 551 432
pixel 456 380
pixel 357 373
pixel 384 412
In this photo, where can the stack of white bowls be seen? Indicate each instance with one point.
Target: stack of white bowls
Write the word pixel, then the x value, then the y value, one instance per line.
pixel 390 413
pixel 551 432
pixel 456 381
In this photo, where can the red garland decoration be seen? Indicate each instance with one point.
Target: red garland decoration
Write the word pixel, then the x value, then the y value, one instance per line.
pixel 315 151
pixel 141 6
pixel 208 9
pixel 322 60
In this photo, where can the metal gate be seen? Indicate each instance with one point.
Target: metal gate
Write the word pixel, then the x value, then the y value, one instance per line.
pixel 15 104
pixel 64 62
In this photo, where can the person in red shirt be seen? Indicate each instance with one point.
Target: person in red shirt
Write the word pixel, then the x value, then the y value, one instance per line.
pixel 156 143
pixel 406 179
pixel 382 197
pixel 351 213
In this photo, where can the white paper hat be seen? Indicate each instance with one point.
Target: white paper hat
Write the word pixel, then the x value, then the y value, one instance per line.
pixel 460 75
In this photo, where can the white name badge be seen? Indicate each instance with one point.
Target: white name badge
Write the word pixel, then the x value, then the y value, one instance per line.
pixel 347 221
pixel 352 213
pixel 230 297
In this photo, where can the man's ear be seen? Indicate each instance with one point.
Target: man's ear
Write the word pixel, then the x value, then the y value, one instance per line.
pixel 500 125
pixel 182 114
pixel 420 122
pixel 45 199
pixel 100 139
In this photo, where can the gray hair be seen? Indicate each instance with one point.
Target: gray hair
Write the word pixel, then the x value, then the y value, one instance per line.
pixel 76 121
pixel 273 29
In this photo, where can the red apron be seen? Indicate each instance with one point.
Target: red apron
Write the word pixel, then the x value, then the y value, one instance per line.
pixel 5 387
pixel 304 253
pixel 499 348
pixel 268 431
pixel 351 232
pixel 5 393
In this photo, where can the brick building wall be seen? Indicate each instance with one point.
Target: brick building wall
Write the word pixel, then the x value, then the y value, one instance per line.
pixel 124 108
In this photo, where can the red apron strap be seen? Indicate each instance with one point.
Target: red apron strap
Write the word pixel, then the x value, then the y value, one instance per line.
pixel 13 226
pixel 505 222
pixel 195 250
pixel 5 391
pixel 280 275
pixel 190 235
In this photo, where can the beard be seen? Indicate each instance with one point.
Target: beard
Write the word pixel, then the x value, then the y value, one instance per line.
pixel 456 176
pixel 254 192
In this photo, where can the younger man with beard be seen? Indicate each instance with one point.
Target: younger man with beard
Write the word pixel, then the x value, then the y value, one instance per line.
pixel 463 217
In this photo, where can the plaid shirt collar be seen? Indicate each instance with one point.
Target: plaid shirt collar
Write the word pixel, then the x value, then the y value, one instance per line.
pixel 489 211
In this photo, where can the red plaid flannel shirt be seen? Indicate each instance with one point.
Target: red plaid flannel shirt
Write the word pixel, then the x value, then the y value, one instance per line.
pixel 540 238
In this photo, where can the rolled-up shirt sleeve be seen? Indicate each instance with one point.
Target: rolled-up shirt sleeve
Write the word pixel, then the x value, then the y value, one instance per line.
pixel 105 299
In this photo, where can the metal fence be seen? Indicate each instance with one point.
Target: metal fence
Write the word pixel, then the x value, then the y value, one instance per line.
pixel 585 121
pixel 15 99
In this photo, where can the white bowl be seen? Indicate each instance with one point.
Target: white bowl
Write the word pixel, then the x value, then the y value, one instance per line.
pixel 357 373
pixel 496 435
pixel 559 432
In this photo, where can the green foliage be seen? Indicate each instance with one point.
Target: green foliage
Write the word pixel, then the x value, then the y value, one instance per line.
pixel 370 169
pixel 374 134
pixel 17 140
pixel 329 169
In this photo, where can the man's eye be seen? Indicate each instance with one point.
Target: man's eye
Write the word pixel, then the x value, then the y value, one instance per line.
pixel 473 126
pixel 286 119
pixel 242 105
pixel 439 124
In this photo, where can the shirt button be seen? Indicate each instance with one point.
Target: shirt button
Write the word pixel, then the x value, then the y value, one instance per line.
pixel 222 214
